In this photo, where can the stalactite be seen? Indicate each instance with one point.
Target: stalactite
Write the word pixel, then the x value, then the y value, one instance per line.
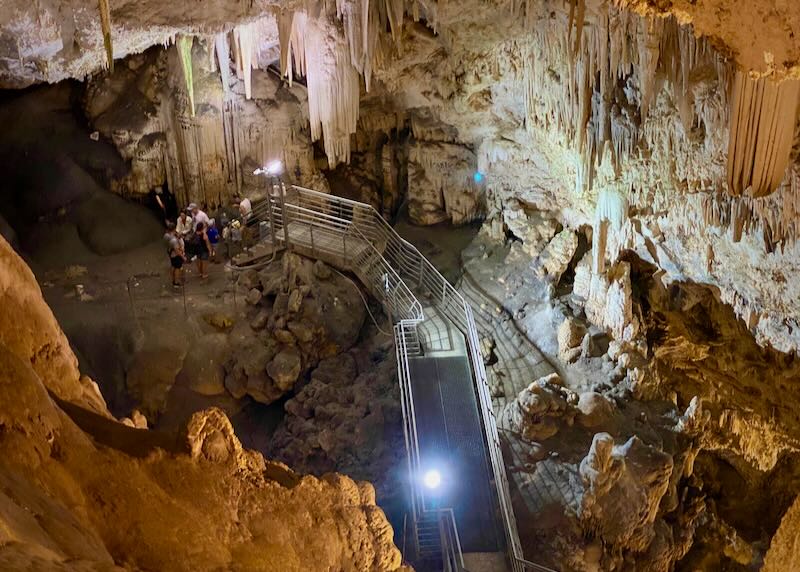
pixel 332 61
pixel 184 45
pixel 332 82
pixel 763 121
pixel 394 15
pixel 580 15
pixel 105 24
pixel 224 58
pixel 245 38
pixel 616 87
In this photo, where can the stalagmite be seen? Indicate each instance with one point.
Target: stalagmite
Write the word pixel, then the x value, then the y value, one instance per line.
pixel 105 24
pixel 611 211
pixel 763 121
pixel 184 45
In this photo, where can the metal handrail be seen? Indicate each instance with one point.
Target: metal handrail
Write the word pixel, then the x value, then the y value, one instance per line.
pixel 401 261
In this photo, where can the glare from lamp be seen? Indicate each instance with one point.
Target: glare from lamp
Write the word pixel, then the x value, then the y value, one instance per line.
pixel 432 479
pixel 274 169
pixel 478 177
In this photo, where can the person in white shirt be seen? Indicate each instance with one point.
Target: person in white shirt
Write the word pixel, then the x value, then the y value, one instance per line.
pixel 245 207
pixel 198 216
pixel 183 226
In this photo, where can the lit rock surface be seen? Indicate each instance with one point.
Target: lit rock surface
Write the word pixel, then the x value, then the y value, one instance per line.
pixel 642 153
pixel 615 116
pixel 76 483
pixel 784 551
pixel 29 330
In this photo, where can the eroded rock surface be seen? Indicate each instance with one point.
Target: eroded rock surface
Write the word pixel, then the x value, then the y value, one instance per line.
pixel 305 319
pixel 76 482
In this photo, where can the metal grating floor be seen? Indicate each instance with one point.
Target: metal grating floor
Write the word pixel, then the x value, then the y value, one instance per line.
pixel 450 437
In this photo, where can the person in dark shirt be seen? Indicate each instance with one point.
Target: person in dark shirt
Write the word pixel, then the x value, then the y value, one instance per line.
pixel 163 202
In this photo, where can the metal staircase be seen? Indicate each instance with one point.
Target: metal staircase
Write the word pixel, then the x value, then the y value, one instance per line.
pixel 354 237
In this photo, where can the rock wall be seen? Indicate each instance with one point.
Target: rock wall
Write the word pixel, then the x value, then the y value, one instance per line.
pixel 623 122
pixel 203 148
pixel 784 552
pixel 646 439
pixel 647 111
pixel 80 489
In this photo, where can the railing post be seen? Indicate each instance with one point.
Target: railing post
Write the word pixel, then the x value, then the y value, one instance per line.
pixel 271 217
pixel 284 214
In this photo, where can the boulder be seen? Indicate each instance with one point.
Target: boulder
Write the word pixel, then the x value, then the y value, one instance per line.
pixel 322 270
pixel 249 279
pixel 260 321
pixel 595 410
pixel 539 410
pixel 301 330
pixel 285 368
pixel 139 420
pixel 295 301
pixel 285 337
pixel 253 296
pixel 281 304
pixel 219 320
pixel 570 334
pixel 557 255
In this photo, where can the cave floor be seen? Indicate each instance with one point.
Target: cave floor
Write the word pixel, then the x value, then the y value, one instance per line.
pixel 129 314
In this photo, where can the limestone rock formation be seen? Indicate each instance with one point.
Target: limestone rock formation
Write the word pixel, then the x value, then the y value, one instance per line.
pixel 629 481
pixel 300 319
pixel 537 411
pixel 192 150
pixel 29 330
pixel 76 482
pixel 784 551
pixel 348 419
pixel 441 183
pixel 559 252
pixel 570 336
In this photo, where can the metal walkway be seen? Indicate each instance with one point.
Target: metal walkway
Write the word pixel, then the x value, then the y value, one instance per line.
pixel 451 439
pixel 448 418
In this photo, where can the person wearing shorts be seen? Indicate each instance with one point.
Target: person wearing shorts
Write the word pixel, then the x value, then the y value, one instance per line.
pixel 176 253
pixel 203 249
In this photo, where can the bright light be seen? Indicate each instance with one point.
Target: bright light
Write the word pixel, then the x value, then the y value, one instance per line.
pixel 478 177
pixel 274 169
pixel 432 479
